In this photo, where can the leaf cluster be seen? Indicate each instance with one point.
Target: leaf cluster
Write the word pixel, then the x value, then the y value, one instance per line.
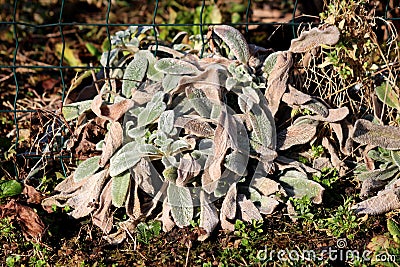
pixel 189 137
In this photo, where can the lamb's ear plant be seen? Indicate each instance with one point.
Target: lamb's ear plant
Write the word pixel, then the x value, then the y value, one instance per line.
pixel 184 131
pixel 380 185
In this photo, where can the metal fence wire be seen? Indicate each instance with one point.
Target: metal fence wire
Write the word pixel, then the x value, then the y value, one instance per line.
pixel 24 143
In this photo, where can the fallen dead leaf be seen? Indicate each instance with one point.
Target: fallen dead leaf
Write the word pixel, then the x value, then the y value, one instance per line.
pixel 29 221
pixel 33 196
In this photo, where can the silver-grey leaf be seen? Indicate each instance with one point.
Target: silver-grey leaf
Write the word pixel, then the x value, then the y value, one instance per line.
pixel 166 121
pixel 181 204
pixel 119 188
pixel 170 82
pixel 235 41
pixel 297 185
pixel 175 66
pixel 128 156
pixel 134 74
pixel 74 110
pixel 87 168
pixel 152 111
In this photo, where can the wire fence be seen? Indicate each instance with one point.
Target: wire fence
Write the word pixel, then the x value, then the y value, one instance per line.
pixel 14 71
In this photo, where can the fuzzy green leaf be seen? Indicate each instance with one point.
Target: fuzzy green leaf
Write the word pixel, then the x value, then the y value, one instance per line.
pixel 152 73
pixel 109 54
pixel 166 121
pixel 181 204
pixel 263 127
pixel 134 74
pixel 178 145
pixel 369 133
pixel 237 162
pixel 170 82
pixel 297 185
pixel 128 156
pixel 136 132
pixel 396 157
pixel 175 66
pixel 235 41
pixel 387 95
pixel 269 64
pixel 201 104
pixel 119 188
pixel 74 110
pixel 152 111
pixel 379 174
pixel 87 168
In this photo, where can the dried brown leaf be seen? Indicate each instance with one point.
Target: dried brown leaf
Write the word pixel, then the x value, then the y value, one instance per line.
pixel 34 196
pixel 295 97
pixel 342 130
pixel 132 203
pixel 265 185
pixel 142 95
pixel 209 82
pixel 196 126
pixel 187 169
pixel 314 38
pixel 287 163
pixel 102 217
pixel 121 234
pixel 208 216
pixel 385 201
pixel 207 183
pixel 368 133
pixel 30 222
pixel 296 134
pixel 143 174
pixel 336 162
pixel 248 211
pixel 293 215
pixel 87 136
pixel 228 208
pixel 221 145
pixel 166 219
pixel 277 81
pixel 112 142
pixel 111 112
pixel 81 196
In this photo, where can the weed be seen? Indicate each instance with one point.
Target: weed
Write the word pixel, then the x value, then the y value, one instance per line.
pixel 317 151
pixel 7 230
pixel 343 221
pixel 147 231
pixel 303 159
pixel 327 178
pixel 248 232
pixel 303 208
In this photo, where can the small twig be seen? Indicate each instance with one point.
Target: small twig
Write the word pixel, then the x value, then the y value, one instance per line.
pixel 187 253
pixel 94 78
pixel 6 77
